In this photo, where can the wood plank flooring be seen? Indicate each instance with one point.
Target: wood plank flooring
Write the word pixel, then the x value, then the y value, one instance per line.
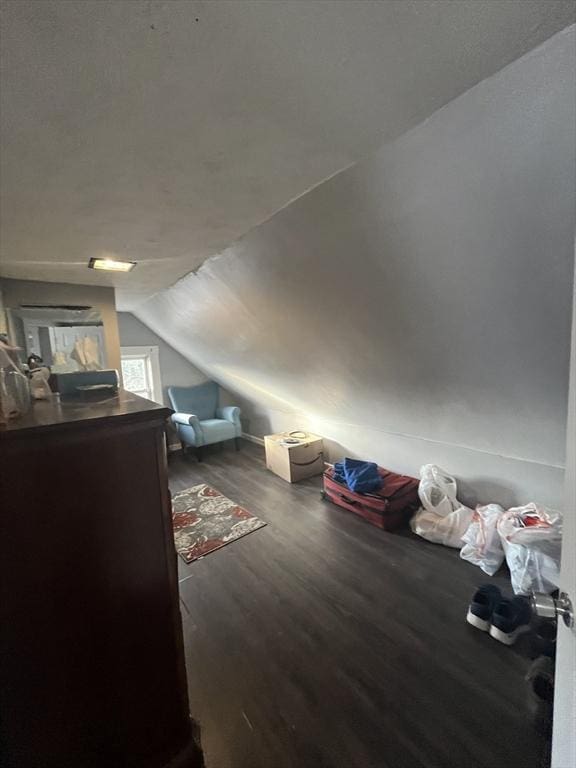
pixel 321 642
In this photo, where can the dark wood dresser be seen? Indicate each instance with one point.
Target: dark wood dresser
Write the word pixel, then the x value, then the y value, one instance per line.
pixel 91 654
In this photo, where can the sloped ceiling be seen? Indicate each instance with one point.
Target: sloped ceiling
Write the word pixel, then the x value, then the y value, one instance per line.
pixel 416 307
pixel 163 131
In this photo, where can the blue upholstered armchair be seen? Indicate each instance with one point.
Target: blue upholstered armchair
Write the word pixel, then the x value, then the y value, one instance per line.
pixel 199 421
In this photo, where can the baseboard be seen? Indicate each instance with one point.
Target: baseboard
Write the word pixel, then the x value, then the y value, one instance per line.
pixel 253 438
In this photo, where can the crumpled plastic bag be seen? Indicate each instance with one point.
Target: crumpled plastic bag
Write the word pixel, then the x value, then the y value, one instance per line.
pixel 532 539
pixel 482 543
pixel 437 490
pixel 442 519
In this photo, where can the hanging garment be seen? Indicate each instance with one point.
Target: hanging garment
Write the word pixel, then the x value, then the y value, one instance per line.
pixel 92 353
pixel 86 353
pixel 59 359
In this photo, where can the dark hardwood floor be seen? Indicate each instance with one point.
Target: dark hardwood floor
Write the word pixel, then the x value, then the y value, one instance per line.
pixel 323 642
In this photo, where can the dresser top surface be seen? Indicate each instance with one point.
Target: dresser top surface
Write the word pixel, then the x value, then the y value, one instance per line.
pixel 56 412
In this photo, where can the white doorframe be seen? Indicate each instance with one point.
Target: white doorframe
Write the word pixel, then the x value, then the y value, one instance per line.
pixel 564 733
pixel 152 356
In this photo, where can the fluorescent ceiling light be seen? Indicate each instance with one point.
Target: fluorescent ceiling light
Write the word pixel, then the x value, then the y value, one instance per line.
pixel 111 265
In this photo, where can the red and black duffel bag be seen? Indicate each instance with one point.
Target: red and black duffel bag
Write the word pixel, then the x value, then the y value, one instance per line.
pixel 389 508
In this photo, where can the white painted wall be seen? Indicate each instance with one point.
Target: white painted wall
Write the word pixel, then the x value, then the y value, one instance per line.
pixel 416 307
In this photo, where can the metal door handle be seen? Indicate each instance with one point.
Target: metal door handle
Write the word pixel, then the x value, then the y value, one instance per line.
pixel 547 607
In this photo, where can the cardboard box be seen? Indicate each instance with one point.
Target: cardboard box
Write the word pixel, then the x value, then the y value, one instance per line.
pixel 294 461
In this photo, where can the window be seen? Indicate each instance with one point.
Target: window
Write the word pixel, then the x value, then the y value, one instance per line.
pixel 141 372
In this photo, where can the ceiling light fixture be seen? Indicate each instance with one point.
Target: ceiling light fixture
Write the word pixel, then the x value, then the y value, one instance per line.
pixel 111 265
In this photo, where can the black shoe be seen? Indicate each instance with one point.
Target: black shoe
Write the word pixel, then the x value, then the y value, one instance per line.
pixel 480 610
pixel 540 680
pixel 544 639
pixel 510 619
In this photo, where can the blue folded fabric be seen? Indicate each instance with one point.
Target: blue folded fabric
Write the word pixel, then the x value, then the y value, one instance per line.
pixel 359 476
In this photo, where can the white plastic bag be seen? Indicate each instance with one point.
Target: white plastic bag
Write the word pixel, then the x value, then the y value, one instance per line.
pixel 532 539
pixel 447 530
pixel 482 543
pixel 442 519
pixel 437 490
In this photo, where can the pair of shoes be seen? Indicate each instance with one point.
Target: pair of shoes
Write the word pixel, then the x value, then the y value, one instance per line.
pixel 505 619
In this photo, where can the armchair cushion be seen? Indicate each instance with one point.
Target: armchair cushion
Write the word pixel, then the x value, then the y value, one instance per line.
pixel 217 430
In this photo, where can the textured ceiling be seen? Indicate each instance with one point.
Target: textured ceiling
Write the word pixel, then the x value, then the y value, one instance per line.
pixel 163 131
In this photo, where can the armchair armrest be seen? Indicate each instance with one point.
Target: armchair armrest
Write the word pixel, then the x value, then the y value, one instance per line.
pixel 189 420
pixel 229 413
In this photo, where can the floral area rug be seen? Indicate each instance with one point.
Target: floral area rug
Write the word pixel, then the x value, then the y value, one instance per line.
pixel 205 520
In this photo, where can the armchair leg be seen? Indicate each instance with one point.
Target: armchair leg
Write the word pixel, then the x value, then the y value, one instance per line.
pixel 199 453
pixel 183 444
pixel 237 443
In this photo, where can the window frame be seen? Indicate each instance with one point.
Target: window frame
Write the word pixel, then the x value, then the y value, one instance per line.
pixel 151 356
